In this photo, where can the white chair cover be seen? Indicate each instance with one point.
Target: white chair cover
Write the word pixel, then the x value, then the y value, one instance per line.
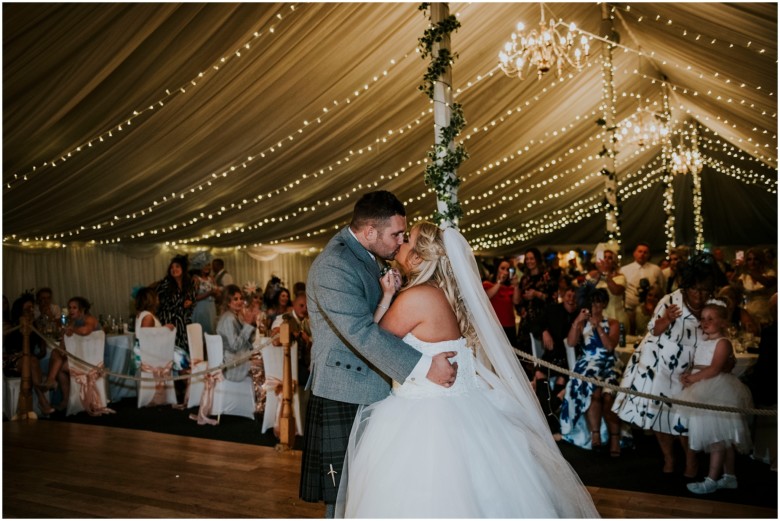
pixel 87 385
pixel 571 355
pixel 12 388
pixel 232 398
pixel 197 363
pixel 273 362
pixel 536 347
pixel 156 345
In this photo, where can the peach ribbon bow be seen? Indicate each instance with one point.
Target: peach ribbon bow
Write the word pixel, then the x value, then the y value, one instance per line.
pixel 210 381
pixel 274 385
pixel 160 374
pixel 88 391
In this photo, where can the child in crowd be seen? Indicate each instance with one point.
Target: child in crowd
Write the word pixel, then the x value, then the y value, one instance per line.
pixel 718 433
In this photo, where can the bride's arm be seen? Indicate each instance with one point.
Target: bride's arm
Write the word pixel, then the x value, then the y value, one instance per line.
pixel 388 290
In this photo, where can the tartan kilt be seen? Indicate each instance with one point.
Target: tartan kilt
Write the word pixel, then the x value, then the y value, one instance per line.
pixel 325 439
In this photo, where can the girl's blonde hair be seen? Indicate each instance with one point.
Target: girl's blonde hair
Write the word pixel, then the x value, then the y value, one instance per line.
pixel 435 269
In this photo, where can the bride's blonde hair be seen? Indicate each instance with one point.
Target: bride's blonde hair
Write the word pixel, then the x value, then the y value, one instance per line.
pixel 435 269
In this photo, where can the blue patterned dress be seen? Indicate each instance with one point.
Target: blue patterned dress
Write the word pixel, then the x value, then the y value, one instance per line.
pixel 596 362
pixel 656 367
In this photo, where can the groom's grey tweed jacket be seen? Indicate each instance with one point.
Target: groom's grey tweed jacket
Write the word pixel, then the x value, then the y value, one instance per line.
pixel 353 358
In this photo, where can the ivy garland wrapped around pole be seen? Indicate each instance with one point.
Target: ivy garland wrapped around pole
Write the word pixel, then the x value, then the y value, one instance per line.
pixel 445 156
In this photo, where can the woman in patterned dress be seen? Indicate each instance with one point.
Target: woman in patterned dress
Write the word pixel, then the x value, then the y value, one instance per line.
pixel 665 353
pixel 177 296
pixel 585 404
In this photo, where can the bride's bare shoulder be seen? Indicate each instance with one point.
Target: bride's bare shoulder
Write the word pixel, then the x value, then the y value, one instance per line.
pixel 423 297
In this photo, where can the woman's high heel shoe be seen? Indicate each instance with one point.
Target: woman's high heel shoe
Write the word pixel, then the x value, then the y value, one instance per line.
pixel 595 440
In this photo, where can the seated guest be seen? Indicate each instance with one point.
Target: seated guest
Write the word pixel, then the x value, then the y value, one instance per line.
pixel 739 318
pixel 46 313
pixel 300 332
pixel 556 322
pixel 146 304
pixel 585 404
pixel 13 342
pixel 280 305
pixel 236 326
pixel 80 322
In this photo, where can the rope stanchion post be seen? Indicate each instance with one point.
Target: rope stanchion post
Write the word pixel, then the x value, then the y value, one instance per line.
pixel 24 407
pixel 286 423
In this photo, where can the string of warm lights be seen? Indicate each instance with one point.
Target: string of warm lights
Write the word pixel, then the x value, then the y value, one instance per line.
pixel 609 116
pixel 668 200
pixel 698 218
pixel 745 176
pixel 686 32
pixel 170 93
pixel 729 149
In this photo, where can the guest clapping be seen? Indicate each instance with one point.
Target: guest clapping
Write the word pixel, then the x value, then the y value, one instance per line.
pixel 504 295
pixel 236 326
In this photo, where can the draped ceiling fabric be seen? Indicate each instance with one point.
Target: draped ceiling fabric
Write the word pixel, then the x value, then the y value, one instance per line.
pixel 273 148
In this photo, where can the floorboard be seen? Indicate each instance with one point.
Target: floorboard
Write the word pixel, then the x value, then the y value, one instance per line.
pixel 69 470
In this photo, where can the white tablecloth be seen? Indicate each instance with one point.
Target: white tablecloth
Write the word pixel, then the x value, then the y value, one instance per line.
pixel 118 358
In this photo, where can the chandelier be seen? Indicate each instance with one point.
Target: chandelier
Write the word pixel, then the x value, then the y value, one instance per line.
pixel 687 160
pixel 542 49
pixel 643 127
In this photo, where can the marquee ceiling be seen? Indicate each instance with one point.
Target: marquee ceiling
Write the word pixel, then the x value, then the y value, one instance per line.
pixel 259 124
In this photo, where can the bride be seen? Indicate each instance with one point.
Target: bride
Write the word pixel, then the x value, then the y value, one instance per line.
pixel 480 448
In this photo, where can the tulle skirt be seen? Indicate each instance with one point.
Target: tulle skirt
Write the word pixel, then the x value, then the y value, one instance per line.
pixel 706 427
pixel 464 456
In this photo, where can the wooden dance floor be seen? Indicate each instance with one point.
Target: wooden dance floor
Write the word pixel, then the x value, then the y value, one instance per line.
pixel 68 470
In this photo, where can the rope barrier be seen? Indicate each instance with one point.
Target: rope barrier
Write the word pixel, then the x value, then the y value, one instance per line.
pixel 537 361
pixel 666 399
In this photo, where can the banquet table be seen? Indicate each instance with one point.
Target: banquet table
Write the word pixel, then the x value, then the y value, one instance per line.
pixel 118 358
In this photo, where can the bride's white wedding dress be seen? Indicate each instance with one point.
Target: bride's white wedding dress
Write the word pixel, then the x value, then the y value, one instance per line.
pixel 466 451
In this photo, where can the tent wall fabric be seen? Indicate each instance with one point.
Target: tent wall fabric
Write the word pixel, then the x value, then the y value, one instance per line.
pixel 256 125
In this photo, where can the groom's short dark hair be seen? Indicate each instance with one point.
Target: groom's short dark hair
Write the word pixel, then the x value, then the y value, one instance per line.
pixel 375 208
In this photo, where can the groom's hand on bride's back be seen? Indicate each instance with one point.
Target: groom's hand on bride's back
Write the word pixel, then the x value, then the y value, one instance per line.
pixel 442 372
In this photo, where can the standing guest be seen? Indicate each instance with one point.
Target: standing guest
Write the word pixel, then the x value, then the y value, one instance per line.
pixel 236 326
pixel 646 309
pixel 671 273
pixel 758 284
pixel 280 305
pixel 221 278
pixel 585 404
pixel 300 332
pixel 298 287
pixel 537 288
pixel 45 312
pixel 80 322
pixel 608 276
pixel 177 295
pixel 556 322
pixel 640 275
pixel 354 360
pixel 504 295
pixel 723 264
pixel 665 354
pixel 204 311
pixel 272 287
pixel 710 382
pixel 13 341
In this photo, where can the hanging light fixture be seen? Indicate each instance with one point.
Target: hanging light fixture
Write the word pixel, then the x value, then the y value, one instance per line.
pixel 542 49
pixel 643 127
pixel 687 160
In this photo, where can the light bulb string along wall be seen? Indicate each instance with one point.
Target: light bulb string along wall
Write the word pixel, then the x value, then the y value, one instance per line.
pixel 170 93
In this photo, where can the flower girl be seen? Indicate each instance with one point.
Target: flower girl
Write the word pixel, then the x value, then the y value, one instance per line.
pixel 718 433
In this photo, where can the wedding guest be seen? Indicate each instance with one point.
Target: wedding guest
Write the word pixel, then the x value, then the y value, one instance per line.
pixel 298 287
pixel 665 354
pixel 272 288
pixel 46 312
pixel 556 322
pixel 80 322
pixel 146 305
pixel 711 382
pixel 646 308
pixel 279 306
pixel 504 294
pixel 236 326
pixel 758 284
pixel 177 295
pixel 204 311
pixel 739 318
pixel 13 341
pixel 221 279
pixel 639 274
pixel 300 332
pixel 536 288
pixel 670 273
pixel 586 404
pixel 607 275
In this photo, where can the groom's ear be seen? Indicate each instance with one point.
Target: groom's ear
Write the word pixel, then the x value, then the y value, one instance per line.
pixel 370 233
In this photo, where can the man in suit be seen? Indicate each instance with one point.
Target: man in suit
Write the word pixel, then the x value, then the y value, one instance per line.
pixel 354 360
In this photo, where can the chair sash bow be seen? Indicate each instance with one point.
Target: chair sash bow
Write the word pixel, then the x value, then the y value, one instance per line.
pixel 274 385
pixel 210 381
pixel 160 374
pixel 88 391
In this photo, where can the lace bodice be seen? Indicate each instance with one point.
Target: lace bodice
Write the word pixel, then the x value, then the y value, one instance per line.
pixel 467 379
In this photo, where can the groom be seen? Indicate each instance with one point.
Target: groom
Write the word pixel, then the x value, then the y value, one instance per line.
pixel 353 359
